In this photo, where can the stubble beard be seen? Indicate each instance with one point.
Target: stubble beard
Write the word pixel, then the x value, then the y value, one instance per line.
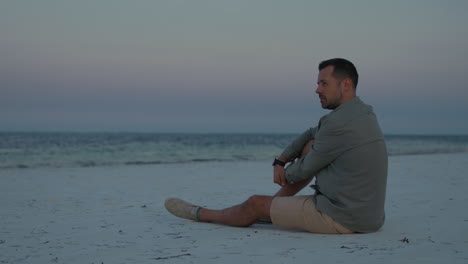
pixel 330 105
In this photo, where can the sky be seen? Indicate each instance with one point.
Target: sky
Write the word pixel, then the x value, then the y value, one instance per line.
pixel 219 66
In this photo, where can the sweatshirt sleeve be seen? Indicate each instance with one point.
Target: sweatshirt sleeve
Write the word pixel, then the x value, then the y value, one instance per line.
pixel 330 142
pixel 294 149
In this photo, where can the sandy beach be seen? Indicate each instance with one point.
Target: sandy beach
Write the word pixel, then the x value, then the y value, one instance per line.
pixel 116 215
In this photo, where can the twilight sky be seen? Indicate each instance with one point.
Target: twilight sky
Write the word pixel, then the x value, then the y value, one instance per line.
pixel 228 66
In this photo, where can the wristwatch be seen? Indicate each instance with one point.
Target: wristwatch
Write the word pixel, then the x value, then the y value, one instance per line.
pixel 278 162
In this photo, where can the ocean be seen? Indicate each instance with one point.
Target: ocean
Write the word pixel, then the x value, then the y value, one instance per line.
pixel 62 150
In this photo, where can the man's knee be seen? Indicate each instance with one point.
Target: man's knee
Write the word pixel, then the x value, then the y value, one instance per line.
pixel 260 204
pixel 255 201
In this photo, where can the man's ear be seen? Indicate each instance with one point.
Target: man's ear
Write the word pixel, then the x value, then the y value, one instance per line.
pixel 347 84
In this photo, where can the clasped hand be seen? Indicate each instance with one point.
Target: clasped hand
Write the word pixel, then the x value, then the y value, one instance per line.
pixel 279 175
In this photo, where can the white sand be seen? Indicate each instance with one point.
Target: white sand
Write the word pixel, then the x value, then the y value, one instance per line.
pixel 116 215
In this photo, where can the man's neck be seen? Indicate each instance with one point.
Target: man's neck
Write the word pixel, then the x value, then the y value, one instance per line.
pixel 347 98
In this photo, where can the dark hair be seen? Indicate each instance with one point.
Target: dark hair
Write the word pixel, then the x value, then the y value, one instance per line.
pixel 341 69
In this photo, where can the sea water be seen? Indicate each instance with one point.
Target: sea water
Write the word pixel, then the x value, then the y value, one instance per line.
pixel 58 150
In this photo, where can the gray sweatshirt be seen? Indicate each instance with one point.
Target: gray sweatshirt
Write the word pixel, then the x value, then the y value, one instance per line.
pixel 349 160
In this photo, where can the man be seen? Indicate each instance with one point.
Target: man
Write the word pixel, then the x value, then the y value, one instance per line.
pixel 345 152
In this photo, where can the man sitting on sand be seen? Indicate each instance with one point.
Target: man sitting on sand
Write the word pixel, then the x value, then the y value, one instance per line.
pixel 345 152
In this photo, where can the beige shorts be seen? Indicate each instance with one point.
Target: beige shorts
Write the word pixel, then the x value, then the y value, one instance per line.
pixel 299 212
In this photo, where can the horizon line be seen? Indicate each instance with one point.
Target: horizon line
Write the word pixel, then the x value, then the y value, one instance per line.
pixel 199 133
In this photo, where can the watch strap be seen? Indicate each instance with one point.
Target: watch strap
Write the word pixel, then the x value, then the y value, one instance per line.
pixel 278 162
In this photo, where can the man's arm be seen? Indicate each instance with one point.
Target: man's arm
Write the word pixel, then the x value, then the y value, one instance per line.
pixel 329 144
pixel 279 177
pixel 294 150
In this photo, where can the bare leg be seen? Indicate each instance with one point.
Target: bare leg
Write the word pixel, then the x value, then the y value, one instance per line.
pixel 243 215
pixel 256 207
pixel 292 189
